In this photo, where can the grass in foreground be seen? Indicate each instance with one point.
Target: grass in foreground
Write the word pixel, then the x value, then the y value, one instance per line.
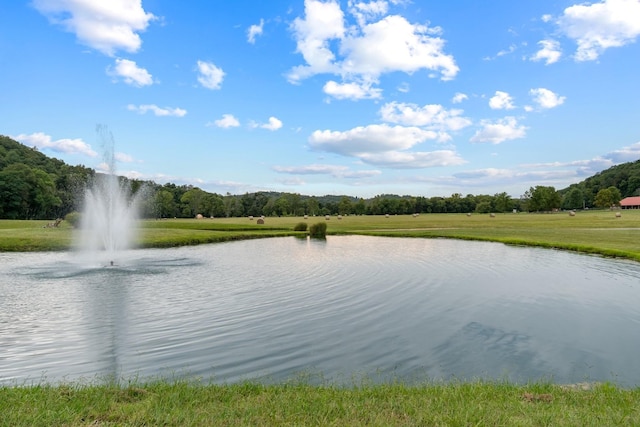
pixel 253 404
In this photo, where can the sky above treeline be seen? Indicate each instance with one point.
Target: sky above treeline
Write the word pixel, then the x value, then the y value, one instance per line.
pixel 425 98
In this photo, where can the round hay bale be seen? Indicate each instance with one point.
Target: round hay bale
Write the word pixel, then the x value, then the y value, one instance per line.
pixel 572 213
pixel 306 217
pixel 339 216
pixel 492 215
pixel 386 216
pixel 260 221
pixel 199 216
pixel 618 215
pixel 468 213
pixel 250 217
pixel 327 217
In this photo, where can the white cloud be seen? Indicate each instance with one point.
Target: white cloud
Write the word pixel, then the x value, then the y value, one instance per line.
pixel 362 52
pixel 44 142
pixel 385 146
pixel 143 109
pixel 459 97
pixel 626 154
pixel 499 131
pixel 369 139
pixel 394 44
pixel 107 26
pixel 274 124
pixel 549 51
pixel 324 21
pixel 123 157
pixel 600 26
pixel 210 76
pixel 501 101
pixel 365 12
pixel 333 170
pixel 227 121
pixel 545 98
pixel 431 116
pixel 130 72
pixel 351 90
pixel 414 160
pixel 254 31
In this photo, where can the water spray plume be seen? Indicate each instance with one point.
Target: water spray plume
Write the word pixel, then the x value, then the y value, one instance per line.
pixel 110 210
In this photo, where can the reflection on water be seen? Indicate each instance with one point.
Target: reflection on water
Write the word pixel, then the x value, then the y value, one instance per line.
pixel 347 307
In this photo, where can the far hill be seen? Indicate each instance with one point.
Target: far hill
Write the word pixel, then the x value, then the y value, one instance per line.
pixel 625 177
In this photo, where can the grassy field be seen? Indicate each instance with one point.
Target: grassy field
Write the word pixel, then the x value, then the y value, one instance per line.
pixel 295 404
pixel 597 232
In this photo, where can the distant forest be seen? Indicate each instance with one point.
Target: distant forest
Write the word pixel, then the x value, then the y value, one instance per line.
pixel 35 186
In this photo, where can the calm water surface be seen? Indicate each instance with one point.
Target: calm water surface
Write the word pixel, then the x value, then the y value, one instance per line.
pixel 338 310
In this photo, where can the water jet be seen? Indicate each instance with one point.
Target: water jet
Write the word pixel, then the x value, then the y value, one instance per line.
pixel 110 210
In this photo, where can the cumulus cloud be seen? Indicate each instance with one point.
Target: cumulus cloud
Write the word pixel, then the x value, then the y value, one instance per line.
pixel 333 170
pixel 43 141
pixel 384 145
pixel 549 52
pixel 501 101
pixel 227 121
pixel 254 31
pixel 351 90
pixel 599 26
pixel 431 116
pixel 545 98
pixel 130 72
pixel 414 160
pixel 123 157
pixel 499 131
pixel 209 75
pixel 323 22
pixel 365 12
pixel 107 26
pixel 158 111
pixel 626 154
pixel 369 139
pixel 459 97
pixel 273 124
pixel 362 52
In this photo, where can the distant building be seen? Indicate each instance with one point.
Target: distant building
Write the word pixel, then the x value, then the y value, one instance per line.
pixel 630 203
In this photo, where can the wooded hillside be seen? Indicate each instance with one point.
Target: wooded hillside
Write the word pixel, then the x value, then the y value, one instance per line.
pixel 35 186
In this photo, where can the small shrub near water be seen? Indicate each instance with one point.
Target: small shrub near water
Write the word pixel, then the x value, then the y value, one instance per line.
pixel 73 218
pixel 301 226
pixel 318 229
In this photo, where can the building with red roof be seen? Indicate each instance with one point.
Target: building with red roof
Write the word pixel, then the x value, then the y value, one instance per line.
pixel 630 202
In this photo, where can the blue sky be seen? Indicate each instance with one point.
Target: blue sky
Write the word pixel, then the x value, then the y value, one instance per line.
pixel 426 98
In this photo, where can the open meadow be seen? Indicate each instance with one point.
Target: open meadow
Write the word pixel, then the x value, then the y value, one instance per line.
pixel 597 232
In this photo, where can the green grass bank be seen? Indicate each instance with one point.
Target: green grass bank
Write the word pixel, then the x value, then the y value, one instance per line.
pixel 252 404
pixel 595 232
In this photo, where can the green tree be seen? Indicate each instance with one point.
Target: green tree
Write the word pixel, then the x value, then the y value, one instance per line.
pixel 542 199
pixel 573 199
pixel 607 197
pixel 345 207
pixel 502 202
pixel 165 206
pixel 27 193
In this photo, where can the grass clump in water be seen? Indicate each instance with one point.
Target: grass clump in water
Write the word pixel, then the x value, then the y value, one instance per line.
pixel 318 230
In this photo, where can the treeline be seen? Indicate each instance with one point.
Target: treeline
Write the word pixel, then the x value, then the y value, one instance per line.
pixel 35 186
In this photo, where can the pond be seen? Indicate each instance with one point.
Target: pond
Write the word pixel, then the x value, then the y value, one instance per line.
pixel 341 310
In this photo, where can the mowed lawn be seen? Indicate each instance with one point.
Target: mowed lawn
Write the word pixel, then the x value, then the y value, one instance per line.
pixel 600 232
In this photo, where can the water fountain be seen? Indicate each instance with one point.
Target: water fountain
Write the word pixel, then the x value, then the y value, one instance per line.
pixel 110 211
